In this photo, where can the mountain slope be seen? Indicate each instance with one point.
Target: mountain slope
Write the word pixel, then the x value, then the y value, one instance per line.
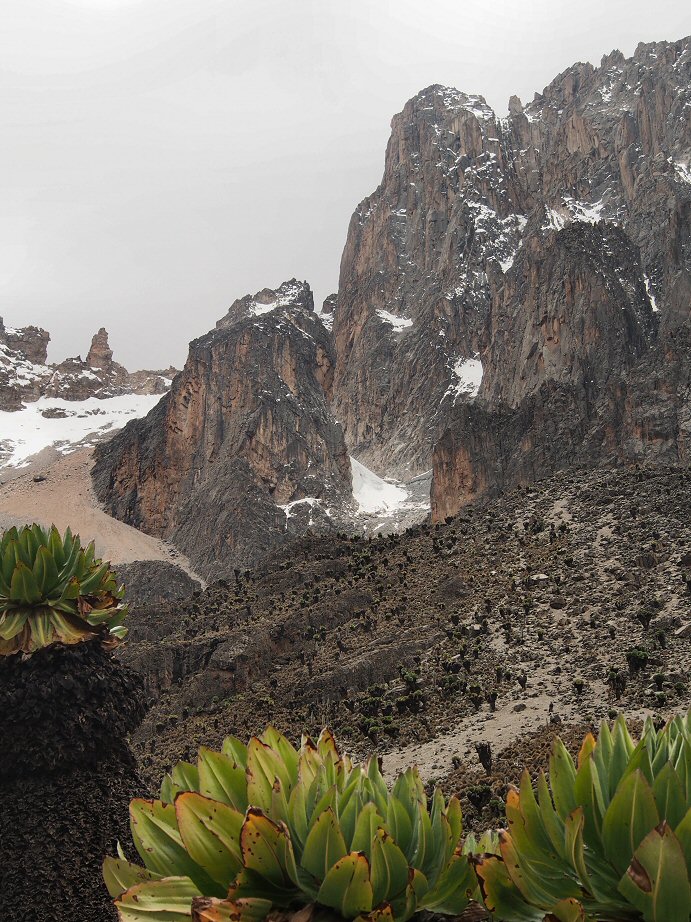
pixel 403 641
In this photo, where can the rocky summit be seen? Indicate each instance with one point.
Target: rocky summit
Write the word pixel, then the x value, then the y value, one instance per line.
pixel 26 375
pixel 243 452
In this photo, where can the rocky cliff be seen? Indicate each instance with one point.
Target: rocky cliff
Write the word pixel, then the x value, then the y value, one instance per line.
pixel 26 375
pixel 514 299
pixel 413 292
pixel 243 452
pixel 23 369
pixel 587 356
pixel 552 246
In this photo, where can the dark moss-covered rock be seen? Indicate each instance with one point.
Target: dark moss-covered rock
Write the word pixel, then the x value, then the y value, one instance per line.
pixel 151 582
pixel 67 777
pixel 64 706
pixel 55 831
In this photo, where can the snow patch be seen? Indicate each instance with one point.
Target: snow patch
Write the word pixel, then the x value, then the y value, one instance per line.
pixel 287 294
pixel 467 374
pixel 398 323
pixel 651 296
pixel 683 171
pixel 326 319
pixel 258 309
pixel 584 211
pixel 26 432
pixel 555 221
pixel 311 501
pixel 374 494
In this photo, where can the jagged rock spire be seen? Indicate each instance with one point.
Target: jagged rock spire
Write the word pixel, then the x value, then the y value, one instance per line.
pixel 100 354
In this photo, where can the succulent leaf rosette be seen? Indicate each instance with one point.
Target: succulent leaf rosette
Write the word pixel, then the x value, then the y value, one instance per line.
pixel 53 590
pixel 265 826
pixel 608 840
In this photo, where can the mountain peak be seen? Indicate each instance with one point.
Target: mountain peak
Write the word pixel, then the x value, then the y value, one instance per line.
pixel 447 100
pixel 289 294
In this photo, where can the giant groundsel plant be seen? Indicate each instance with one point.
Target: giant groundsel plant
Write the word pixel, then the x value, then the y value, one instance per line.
pixel 608 839
pixel 54 590
pixel 263 825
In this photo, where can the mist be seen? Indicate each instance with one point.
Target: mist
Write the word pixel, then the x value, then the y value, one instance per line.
pixel 161 158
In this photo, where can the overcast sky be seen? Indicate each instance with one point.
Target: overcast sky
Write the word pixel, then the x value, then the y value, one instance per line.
pixel 160 158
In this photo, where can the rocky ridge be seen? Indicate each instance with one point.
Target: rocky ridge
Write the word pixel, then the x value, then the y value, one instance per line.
pixel 26 375
pixel 243 452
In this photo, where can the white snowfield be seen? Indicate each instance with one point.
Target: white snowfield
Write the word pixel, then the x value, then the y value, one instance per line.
pixel 398 323
pixel 372 493
pixel 27 432
pixel 467 378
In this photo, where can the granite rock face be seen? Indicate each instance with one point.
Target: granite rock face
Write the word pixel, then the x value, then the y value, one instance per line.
pixel 588 356
pixel 514 298
pixel 413 297
pixel 642 414
pixel 243 451
pixel 26 375
pixel 553 246
pixel 574 310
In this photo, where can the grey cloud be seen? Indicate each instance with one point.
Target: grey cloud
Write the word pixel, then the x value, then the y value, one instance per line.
pixel 162 157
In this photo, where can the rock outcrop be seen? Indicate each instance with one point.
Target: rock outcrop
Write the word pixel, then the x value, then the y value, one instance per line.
pixel 99 376
pixel 152 582
pixel 25 374
pixel 552 246
pixel 100 355
pixel 242 453
pixel 23 368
